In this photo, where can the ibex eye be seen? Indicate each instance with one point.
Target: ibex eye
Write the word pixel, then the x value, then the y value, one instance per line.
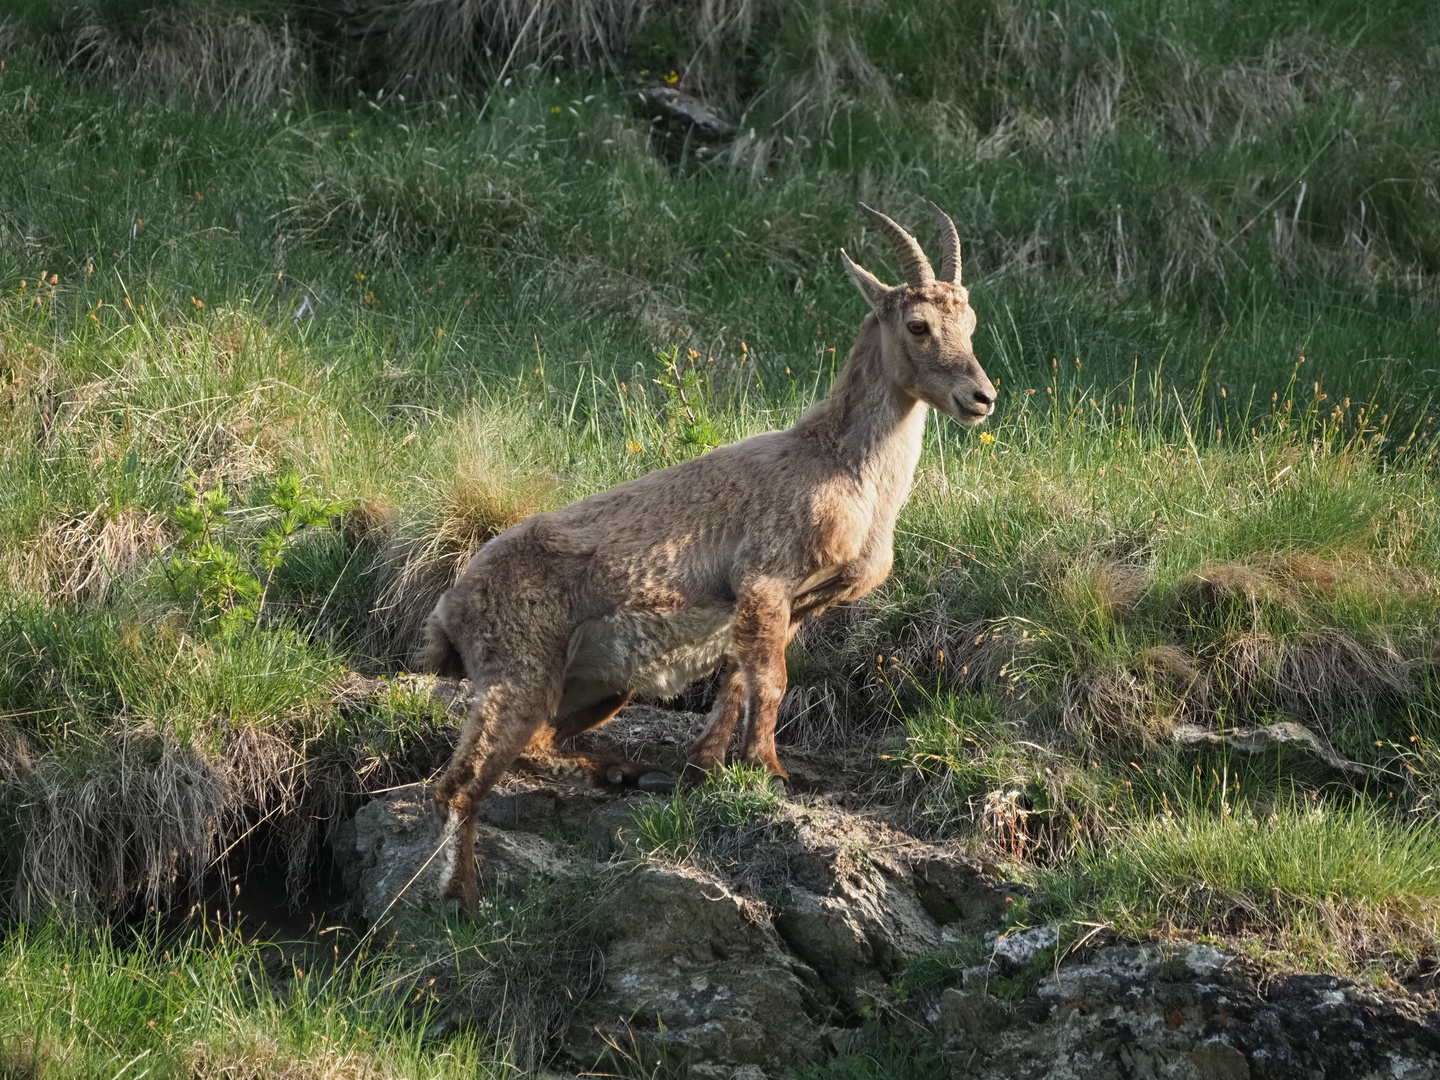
pixel 918 328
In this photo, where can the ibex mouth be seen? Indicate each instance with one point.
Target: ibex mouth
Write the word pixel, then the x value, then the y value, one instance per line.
pixel 969 414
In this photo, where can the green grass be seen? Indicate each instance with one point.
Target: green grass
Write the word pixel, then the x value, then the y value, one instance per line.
pixel 100 1005
pixel 732 797
pixel 1323 880
pixel 519 967
pixel 884 1059
pixel 1202 241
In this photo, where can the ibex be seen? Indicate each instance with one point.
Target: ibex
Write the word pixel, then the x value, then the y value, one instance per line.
pixel 646 587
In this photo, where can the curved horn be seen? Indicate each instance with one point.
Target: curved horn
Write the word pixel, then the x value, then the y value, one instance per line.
pixel 949 247
pixel 912 255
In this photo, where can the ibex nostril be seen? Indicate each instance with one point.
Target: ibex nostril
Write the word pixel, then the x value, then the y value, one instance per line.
pixel 984 399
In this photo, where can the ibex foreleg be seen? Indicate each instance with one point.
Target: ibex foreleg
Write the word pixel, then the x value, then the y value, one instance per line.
pixel 709 749
pixel 762 630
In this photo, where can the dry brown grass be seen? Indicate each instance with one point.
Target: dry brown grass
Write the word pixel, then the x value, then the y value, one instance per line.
pixel 80 556
pixel 17 752
pixel 259 1057
pixel 1111 702
pixel 143 814
pixel 423 43
pixel 137 818
pixel 26 1060
pixel 424 555
pixel 198 51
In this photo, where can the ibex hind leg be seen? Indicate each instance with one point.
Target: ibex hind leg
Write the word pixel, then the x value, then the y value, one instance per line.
pixel 503 718
pixel 549 754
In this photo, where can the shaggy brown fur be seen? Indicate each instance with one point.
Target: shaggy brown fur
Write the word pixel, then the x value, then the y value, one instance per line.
pixel 648 586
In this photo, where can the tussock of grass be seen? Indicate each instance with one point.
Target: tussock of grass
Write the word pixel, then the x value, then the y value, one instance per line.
pixel 80 556
pixel 495 483
pixel 137 758
pixel 206 53
pixel 526 962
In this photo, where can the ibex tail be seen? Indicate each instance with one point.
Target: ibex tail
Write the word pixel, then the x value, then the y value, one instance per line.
pixel 438 654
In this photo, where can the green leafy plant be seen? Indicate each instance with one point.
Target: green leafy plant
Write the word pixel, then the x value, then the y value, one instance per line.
pixel 212 567
pixel 687 400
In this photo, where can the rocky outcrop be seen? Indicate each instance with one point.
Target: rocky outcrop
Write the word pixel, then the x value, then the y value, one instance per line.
pixel 696 967
pixel 769 946
pixel 1280 737
pixel 693 969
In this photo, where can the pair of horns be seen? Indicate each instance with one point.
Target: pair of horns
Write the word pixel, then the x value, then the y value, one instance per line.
pixel 917 267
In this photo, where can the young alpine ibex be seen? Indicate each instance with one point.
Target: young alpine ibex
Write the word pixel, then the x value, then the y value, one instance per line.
pixel 650 585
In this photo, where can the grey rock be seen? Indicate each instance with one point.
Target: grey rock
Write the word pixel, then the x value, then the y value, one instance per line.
pixel 861 931
pixel 1191 1013
pixel 1017 949
pixel 1215 1059
pixel 955 891
pixel 393 855
pixel 696 974
pixel 686 114
pixel 725 1072
pixel 1283 735
pixel 972 1019
pixel 659 782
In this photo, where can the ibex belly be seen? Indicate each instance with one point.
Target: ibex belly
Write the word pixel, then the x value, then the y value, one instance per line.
pixel 645 654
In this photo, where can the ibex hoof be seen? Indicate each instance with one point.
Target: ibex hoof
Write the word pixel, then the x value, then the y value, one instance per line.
pixel 792 784
pixel 464 896
pixel 656 781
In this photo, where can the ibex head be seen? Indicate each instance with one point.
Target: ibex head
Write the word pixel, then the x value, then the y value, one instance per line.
pixel 927 323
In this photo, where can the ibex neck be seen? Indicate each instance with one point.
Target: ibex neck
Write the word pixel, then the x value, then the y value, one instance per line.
pixel 868 419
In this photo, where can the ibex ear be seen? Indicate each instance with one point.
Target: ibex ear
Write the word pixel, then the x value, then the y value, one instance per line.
pixel 873 289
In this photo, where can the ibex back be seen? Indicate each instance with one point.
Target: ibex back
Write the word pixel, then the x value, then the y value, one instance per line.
pixel 641 589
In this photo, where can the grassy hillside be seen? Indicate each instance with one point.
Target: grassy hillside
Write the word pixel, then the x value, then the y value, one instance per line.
pixel 286 332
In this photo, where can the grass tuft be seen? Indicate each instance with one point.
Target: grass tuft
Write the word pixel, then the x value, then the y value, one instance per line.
pixel 729 799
